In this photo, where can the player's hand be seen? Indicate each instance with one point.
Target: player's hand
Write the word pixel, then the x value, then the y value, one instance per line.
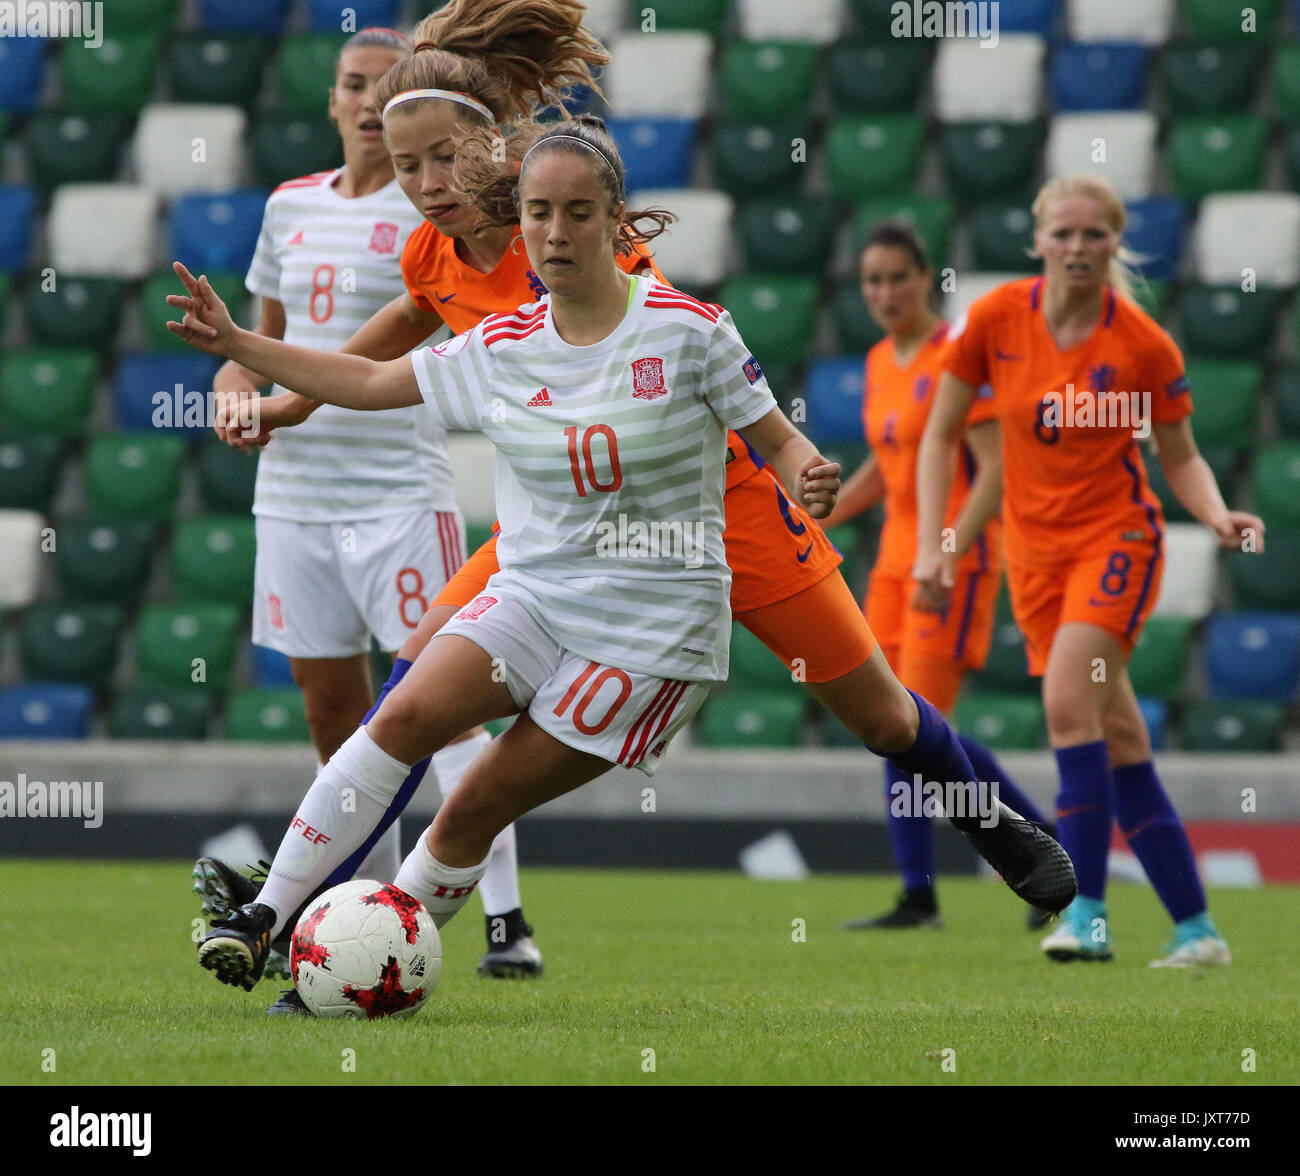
pixel 819 483
pixel 207 325
pixel 935 573
pixel 237 410
pixel 1236 527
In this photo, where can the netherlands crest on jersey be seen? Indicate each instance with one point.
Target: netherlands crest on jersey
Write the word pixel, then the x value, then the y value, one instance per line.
pixel 648 379
pixel 383 238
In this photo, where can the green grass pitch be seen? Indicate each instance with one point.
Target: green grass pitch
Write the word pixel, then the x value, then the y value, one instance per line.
pixel 708 971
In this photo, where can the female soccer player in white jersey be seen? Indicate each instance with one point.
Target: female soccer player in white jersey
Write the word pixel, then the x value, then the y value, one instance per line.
pixel 609 403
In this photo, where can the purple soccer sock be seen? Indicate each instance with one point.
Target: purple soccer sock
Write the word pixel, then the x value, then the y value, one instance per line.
pixel 987 767
pixel 1085 810
pixel 909 834
pixel 1158 838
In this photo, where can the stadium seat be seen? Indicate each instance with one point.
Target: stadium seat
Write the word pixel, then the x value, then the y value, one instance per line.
pixel 155 313
pixel 751 718
pixel 749 156
pixel 82 312
pixel 819 21
pixel 29 472
pixel 224 70
pixel 1233 727
pixel 73 148
pixel 1224 321
pixel 873 155
pixel 144 14
pixel 972 84
pixel 1211 78
pixel 179 645
pixel 117 76
pixel 47 390
pixel 212 559
pixel 104 559
pixel 217 232
pixel 327 15
pixel 984 160
pixel 1275 478
pixel 159 714
pixel 1224 393
pixel 659 75
pixel 972 286
pixel 1269 580
pixel 304 72
pixel 41 710
pixel 1155 714
pixel 875 19
pixel 185 147
pixel 1004 722
pixel 288 146
pixel 1222 461
pixel 103 229
pixel 271 667
pixel 1286 83
pixel 835 400
pixel 1159 661
pixel 267 715
pixel 1001 236
pixel 1291 156
pixel 138 477
pixel 693 252
pixel 1187 589
pixel 20 540
pixel 1255 230
pixel 1207 19
pixel 1287 400
pixel 1154 231
pixel 792 235
pixel 754 667
pixel 1099 76
pixel 1027 16
pixel 1254 655
pixel 867 77
pixel 1146 21
pixel 1128 138
pixel 930 216
pixel 227 477
pixel 657 152
pixel 17 206
pixel 767 79
pixel 473 466
pixel 22 73
pixel 1006 670
pixel 71 642
pixel 708 16
pixel 777 314
pixel 855 330
pixel 1216 153
pixel 168 393
pixel 245 16
pixel 476 534
pixel 1152 295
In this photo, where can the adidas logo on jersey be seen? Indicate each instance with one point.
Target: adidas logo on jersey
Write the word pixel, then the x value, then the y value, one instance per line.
pixel 296 239
pixel 541 400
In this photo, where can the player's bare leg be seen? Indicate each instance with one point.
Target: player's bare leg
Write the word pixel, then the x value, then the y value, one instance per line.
pixel 336 692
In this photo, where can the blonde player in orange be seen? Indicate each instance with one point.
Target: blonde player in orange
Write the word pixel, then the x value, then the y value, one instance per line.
pixel 1080 373
pixel 929 651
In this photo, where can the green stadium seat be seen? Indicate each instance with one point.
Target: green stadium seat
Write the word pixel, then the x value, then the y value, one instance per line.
pixel 1224 393
pixel 104 559
pixel 767 79
pixel 74 147
pixel 227 478
pixel 78 312
pixel 182 645
pixel 1288 401
pixel 1006 669
pixel 1222 460
pixel 1152 296
pixel 1211 78
pixel 285 148
pixel 1291 156
pixel 212 559
pixel 159 714
pixel 71 642
pixel 744 718
pixel 1004 722
pixel 786 236
pixel 1269 581
pixel 708 16
pixel 1216 153
pixel 305 71
pixel 476 534
pixel 137 476
pixel 1209 19
pixel 855 329
pixel 870 76
pixel 29 472
pixel 117 76
pixel 4 298
pixel 1001 235
pixel 267 715
pixel 1159 661
pixel 990 160
pixel 749 156
pixel 777 314
pixel 875 18
pixel 1225 321
pixel 868 156
pixel 224 69
pixel 1275 478
pixel 931 216
pixel 1233 726
pixel 47 390
pixel 154 311
pixel 1286 83
pixel 754 667
pixel 144 14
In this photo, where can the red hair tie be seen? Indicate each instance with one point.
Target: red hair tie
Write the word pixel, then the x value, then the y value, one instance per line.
pixel 424 45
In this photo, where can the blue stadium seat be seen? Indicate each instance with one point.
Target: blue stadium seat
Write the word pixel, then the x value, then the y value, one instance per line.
pixel 1099 76
pixel 141 377
pixel 656 151
pixel 1155 714
pixel 217 232
pixel 1254 655
pixel 325 16
pixel 272 667
pixel 46 710
pixel 22 73
pixel 1155 230
pixel 246 16
pixel 1027 16
pixel 17 204
pixel 835 401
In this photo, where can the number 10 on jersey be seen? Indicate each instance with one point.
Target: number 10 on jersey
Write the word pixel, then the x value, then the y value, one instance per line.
pixel 588 465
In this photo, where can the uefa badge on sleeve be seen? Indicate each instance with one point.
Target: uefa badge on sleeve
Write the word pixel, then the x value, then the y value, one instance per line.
pixel 753 373
pixel 648 379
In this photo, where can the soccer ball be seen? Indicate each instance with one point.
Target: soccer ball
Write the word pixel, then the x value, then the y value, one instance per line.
pixel 365 949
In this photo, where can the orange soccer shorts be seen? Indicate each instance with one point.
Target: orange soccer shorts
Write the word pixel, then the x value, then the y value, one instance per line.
pixel 472 576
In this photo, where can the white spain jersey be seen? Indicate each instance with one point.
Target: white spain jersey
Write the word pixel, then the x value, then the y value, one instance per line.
pixel 610 471
pixel 333 262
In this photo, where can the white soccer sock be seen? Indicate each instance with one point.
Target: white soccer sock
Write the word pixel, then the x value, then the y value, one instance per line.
pixel 347 800
pixel 442 890
pixel 385 856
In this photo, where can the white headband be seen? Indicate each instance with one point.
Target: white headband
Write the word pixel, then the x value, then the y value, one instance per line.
pixel 575 139
pixel 449 95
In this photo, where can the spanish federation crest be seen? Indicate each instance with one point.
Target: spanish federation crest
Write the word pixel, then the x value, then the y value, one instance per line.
pixel 383 239
pixel 648 379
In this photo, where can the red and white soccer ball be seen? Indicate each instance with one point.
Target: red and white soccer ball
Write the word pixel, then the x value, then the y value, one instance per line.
pixel 365 949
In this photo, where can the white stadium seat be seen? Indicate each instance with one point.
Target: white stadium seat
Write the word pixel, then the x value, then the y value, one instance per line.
pixel 1127 138
pixel 20 540
pixel 1147 21
pixel 971 286
pixel 659 75
pixel 473 465
pixel 820 21
pixel 189 148
pixel 103 229
pixel 694 249
pixel 1259 230
pixel 1191 553
pixel 604 18
pixel 1005 84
